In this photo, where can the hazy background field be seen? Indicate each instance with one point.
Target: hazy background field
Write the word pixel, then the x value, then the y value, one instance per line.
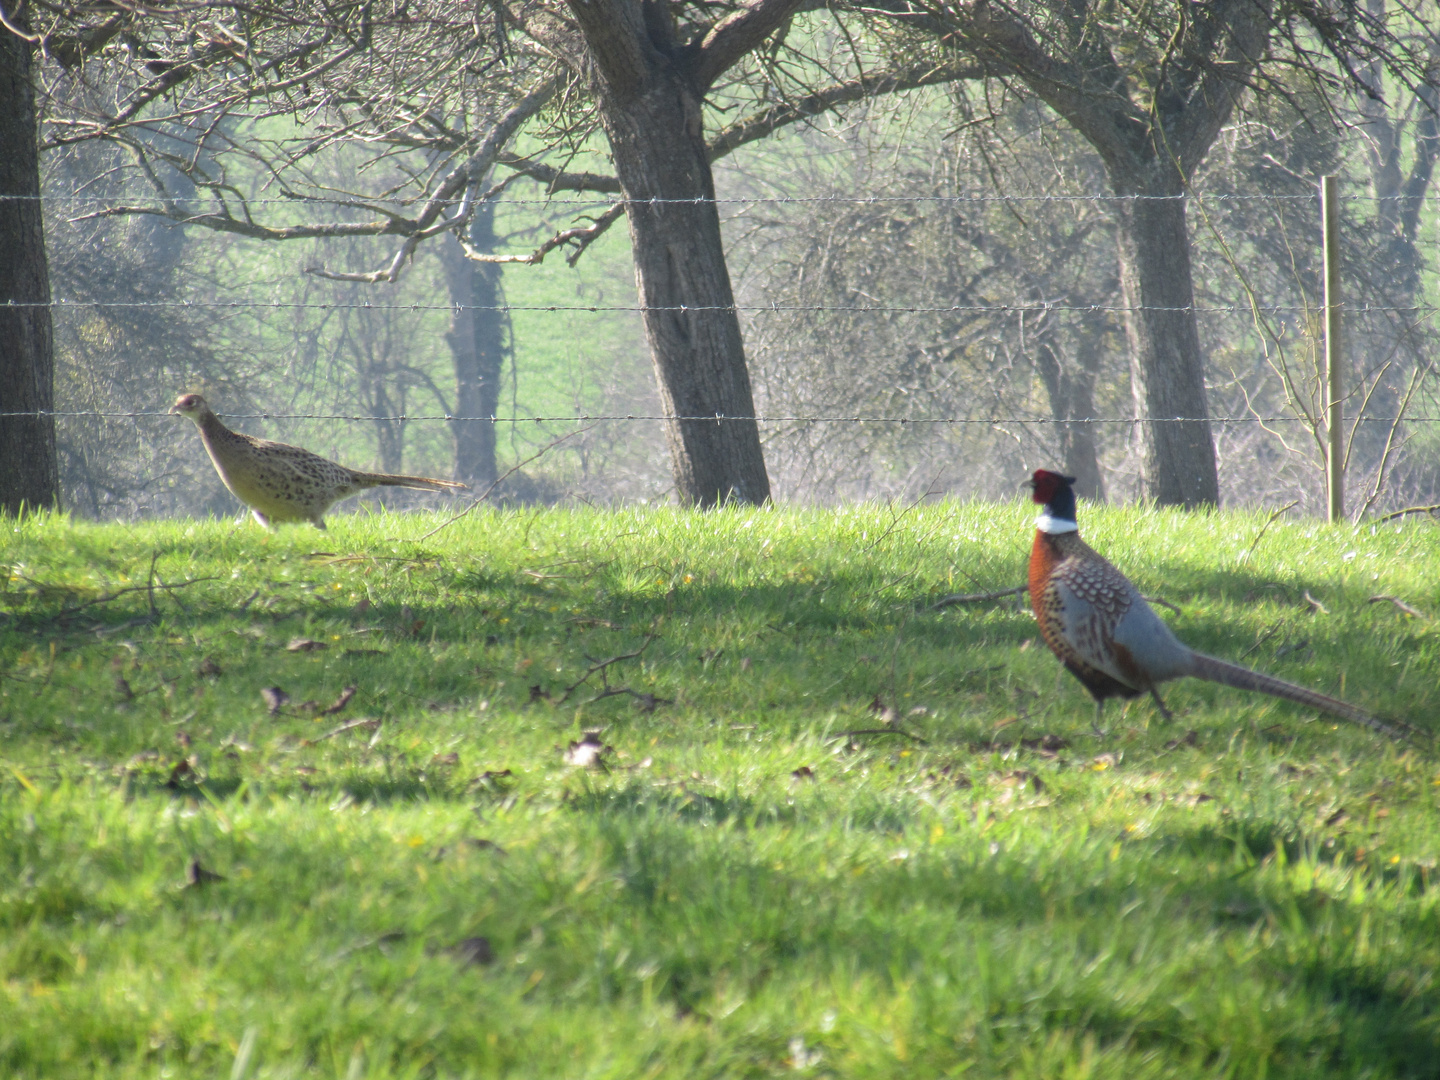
pixel 873 280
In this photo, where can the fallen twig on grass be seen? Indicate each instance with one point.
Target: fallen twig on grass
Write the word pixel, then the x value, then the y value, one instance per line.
pixel 647 702
pixel 1316 604
pixel 601 666
pixel 1401 604
pixel 340 702
pixel 148 588
pixel 878 731
pixel 1409 510
pixel 1270 632
pixel 976 598
pixel 368 723
pixel 1265 528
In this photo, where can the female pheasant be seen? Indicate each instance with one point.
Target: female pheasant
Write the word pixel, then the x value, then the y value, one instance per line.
pixel 280 482
pixel 1102 629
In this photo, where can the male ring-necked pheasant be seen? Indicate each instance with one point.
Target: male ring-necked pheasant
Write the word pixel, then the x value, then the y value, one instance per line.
pixel 280 482
pixel 1104 632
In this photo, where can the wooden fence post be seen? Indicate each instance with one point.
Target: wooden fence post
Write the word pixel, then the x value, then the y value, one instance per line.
pixel 1334 418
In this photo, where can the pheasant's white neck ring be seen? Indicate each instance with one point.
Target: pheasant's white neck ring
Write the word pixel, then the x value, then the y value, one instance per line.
pixel 1053 525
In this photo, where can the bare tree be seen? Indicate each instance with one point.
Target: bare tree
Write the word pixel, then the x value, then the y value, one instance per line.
pixel 440 92
pixel 901 292
pixel 477 342
pixel 28 473
pixel 1150 88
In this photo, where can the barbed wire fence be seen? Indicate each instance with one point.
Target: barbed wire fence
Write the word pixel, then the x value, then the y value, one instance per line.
pixel 933 413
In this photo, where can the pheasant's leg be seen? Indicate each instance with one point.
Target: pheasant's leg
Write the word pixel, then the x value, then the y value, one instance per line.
pixel 1169 719
pixel 1095 727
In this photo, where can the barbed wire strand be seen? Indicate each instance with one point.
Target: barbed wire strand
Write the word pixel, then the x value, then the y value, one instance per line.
pixel 356 202
pixel 713 418
pixel 779 309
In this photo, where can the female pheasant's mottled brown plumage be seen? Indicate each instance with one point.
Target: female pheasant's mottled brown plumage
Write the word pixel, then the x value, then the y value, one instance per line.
pixel 281 482
pixel 1100 627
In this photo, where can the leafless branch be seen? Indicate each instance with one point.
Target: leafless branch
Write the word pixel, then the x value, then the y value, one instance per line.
pixel 1431 509
pixel 601 666
pixel 1401 604
pixel 580 237
pixel 976 598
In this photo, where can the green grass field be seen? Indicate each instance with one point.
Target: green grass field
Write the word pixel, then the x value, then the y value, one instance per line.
pixel 735 886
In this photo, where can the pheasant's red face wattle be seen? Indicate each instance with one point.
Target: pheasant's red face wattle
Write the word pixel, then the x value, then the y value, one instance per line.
pixel 1046 485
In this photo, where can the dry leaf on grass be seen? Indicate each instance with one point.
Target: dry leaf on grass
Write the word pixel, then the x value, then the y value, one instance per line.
pixel 275 699
pixel 182 770
pixel 1045 745
pixel 804 772
pixel 587 752
pixel 340 702
pixel 493 777
pixel 1020 777
pixel 481 844
pixel 305 644
pixel 886 713
pixel 209 668
pixel 472 952
pixel 196 876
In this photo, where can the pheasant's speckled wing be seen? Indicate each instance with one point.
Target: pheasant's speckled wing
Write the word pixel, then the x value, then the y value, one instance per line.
pixel 1110 627
pixel 1080 607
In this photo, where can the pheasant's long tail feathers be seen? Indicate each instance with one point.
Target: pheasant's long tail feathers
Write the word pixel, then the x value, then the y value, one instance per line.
pixel 1242 678
pixel 424 483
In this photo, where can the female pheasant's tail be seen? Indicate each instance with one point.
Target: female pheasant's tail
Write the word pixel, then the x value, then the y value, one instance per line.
pixel 1242 678
pixel 424 483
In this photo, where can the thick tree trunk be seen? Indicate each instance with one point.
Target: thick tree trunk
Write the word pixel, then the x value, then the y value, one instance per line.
pixel 1166 365
pixel 1071 390
pixel 29 477
pixel 689 308
pixel 477 345
pixel 1393 142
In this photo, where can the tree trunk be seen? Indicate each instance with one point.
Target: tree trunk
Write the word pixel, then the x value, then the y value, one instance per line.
pixel 1396 136
pixel 29 476
pixel 477 345
pixel 1166 365
pixel 689 309
pixel 1071 390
